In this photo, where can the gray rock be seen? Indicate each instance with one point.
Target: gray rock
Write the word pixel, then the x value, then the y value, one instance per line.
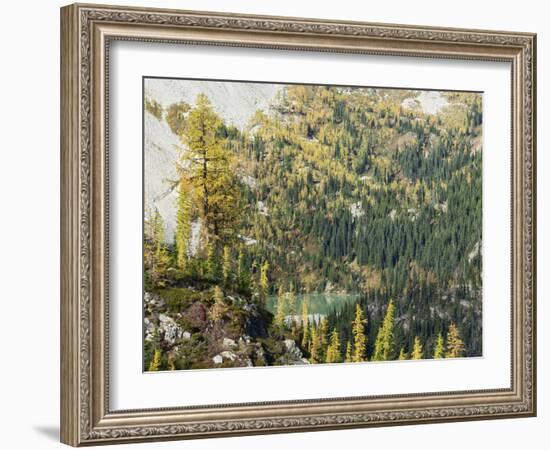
pixel 218 359
pixel 229 355
pixel 229 343
pixel 153 301
pixel 292 349
pixel 149 329
pixel 171 330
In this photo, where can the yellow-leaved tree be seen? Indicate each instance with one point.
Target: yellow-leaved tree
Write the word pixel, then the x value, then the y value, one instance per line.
pixel 417 352
pixel 439 351
pixel 154 365
pixel 384 345
pixel 305 324
pixel 157 258
pixel 333 350
pixel 280 313
pixel 359 338
pixel 455 345
pixel 208 165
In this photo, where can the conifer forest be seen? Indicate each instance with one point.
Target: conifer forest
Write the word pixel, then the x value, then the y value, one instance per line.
pixel 309 224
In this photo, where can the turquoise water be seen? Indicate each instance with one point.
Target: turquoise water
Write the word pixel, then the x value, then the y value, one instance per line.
pixel 319 304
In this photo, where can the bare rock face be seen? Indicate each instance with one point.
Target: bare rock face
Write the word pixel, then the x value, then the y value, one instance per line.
pixel 235 102
pixel 160 156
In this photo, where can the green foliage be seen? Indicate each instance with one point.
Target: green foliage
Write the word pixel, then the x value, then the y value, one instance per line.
pixel 439 351
pixel 175 117
pixel 154 366
pixel 219 309
pixel 359 338
pixel 333 351
pixel 264 280
pixel 385 344
pixel 348 357
pixel 227 267
pixel 455 345
pixel 281 311
pixel 215 186
pixel 316 350
pixel 417 352
pixel 305 324
pixel 178 299
pixel 154 107
pixel 334 190
pixel 156 254
pixel 183 223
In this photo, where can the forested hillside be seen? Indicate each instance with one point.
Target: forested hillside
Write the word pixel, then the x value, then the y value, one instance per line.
pixel 330 190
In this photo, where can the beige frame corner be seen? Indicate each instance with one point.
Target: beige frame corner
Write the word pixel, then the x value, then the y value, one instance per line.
pixel 86 31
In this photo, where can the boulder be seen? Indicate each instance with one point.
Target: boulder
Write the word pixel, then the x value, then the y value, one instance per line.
pixel 219 358
pixel 229 343
pixel 149 329
pixel 229 355
pixel 292 349
pixel 169 329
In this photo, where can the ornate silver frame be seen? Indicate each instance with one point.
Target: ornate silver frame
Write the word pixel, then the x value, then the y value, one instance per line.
pixel 86 31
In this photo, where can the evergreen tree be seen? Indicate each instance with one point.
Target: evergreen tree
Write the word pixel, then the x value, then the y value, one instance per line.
pixel 384 345
pixel 333 350
pixel 227 267
pixel 280 315
pixel 291 301
pixel 323 336
pixel 243 273
pixel 439 351
pixel 213 260
pixel 402 354
pixel 348 353
pixel 215 187
pixel 359 337
pixel 316 346
pixel 417 349
pixel 455 345
pixel 171 363
pixel 183 222
pixel 264 281
pixel 305 324
pixel 157 258
pixel 219 308
pixel 154 366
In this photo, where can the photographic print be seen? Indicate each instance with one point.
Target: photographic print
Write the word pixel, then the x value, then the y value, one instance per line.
pixel 290 224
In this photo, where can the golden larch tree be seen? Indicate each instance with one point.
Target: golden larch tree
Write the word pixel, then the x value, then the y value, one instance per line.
pixel 455 345
pixel 359 338
pixel 417 352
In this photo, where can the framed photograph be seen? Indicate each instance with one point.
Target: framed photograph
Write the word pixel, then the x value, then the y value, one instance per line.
pixel 277 224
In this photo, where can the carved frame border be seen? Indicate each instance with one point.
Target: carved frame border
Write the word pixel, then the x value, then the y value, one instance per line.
pixel 86 31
